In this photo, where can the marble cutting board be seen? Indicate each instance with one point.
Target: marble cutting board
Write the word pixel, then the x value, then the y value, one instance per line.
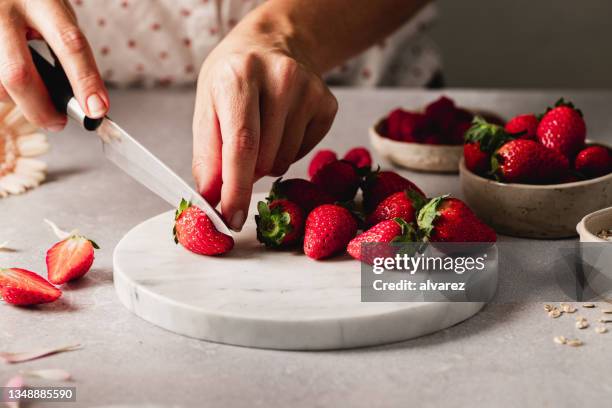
pixel 261 298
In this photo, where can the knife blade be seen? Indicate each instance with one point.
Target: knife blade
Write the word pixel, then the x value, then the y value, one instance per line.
pixel 118 146
pixel 143 166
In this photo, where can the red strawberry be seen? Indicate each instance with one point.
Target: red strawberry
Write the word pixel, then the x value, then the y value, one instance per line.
pixel 329 228
pixel 481 140
pixel 196 232
pixel 302 192
pixel 70 259
pixel 338 179
pixel 360 157
pixel 440 109
pixel 476 160
pixel 320 159
pixel 563 129
pixel 523 126
pixel 457 133
pixel 385 232
pixel 394 123
pixel 280 223
pixel 381 184
pixel 403 204
pixel 594 161
pixel 412 127
pixel 526 161
pixel 445 219
pixel 23 288
pixel 432 139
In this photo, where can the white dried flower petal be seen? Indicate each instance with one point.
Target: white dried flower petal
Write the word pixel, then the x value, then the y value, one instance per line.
pixel 554 313
pixel 588 305
pixel 574 343
pixel 560 340
pixel 601 329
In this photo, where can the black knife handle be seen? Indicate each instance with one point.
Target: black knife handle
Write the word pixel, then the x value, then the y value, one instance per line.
pixel 60 91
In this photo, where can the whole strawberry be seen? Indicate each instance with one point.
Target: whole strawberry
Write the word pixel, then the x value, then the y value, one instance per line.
pixel 196 232
pixel 339 179
pixel 70 259
pixel 360 157
pixel 320 159
pixel 385 232
pixel 302 192
pixel 328 230
pixel 523 126
pixel 563 129
pixel 594 161
pixel 24 288
pixel 526 161
pixel 381 184
pixel 403 205
pixel 445 219
pixel 279 224
pixel 481 140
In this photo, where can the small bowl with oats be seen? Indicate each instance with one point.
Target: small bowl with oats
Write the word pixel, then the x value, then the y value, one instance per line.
pixel 596 226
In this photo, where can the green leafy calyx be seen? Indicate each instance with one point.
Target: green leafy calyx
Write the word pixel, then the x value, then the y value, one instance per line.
pixel 490 136
pixel 273 225
pixel 427 215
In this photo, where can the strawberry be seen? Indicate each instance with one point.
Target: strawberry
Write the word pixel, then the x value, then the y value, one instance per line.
pixel 523 126
pixel 441 109
pixel 412 127
pixel 339 179
pixel 393 124
pixel 594 161
pixel 302 192
pixel 328 230
pixel 360 157
pixel 403 204
pixel 196 232
pixel 381 184
pixel 279 224
pixel 526 161
pixel 70 259
pixel 320 159
pixel 24 288
pixel 481 140
pixel 445 219
pixel 563 129
pixel 384 232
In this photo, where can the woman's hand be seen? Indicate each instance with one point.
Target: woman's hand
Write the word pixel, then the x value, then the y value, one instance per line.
pixel 260 107
pixel 55 22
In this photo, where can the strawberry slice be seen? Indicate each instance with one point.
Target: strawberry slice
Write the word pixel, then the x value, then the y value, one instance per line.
pixel 70 259
pixel 24 288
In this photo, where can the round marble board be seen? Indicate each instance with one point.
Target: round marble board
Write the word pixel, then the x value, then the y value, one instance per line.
pixel 262 298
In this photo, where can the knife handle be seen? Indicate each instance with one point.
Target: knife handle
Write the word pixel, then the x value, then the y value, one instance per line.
pixel 60 91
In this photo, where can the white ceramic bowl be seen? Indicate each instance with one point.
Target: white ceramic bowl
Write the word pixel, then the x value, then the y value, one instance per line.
pixel 534 211
pixel 419 156
pixel 592 223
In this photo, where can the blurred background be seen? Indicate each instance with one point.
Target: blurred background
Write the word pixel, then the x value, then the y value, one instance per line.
pixel 525 43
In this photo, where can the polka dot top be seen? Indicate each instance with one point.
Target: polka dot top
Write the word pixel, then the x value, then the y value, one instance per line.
pixel 164 42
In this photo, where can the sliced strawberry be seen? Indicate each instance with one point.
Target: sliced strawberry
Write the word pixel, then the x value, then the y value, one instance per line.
pixel 70 259
pixel 24 288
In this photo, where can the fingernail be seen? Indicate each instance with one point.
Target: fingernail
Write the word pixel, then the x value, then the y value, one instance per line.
pixel 96 106
pixel 237 220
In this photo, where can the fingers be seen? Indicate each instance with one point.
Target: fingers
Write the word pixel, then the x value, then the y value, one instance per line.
pixel 237 107
pixel 206 166
pixel 21 81
pixel 320 124
pixel 56 23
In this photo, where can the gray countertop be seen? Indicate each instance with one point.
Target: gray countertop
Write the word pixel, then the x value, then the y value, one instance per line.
pixel 504 356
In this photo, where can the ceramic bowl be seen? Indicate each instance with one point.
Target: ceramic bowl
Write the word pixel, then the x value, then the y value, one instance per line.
pixel 592 223
pixel 419 156
pixel 534 211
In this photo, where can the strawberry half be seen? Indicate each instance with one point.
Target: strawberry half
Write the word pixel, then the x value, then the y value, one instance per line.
pixel 196 232
pixel 385 232
pixel 70 259
pixel 328 230
pixel 279 224
pixel 24 288
pixel 445 219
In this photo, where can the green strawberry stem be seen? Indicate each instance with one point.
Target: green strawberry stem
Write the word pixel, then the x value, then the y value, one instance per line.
pixel 272 224
pixel 490 136
pixel 427 215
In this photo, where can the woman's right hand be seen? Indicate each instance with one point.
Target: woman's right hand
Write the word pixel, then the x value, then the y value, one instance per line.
pixel 55 22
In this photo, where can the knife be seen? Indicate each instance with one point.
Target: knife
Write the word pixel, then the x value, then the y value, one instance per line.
pixel 121 148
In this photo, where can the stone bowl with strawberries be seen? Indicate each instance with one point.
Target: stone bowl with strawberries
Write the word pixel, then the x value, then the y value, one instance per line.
pixel 537 176
pixel 430 139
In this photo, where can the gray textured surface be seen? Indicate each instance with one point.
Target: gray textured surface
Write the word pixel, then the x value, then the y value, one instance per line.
pixel 504 356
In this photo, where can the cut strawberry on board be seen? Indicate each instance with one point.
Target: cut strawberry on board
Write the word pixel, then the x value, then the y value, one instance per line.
pixel 24 288
pixel 197 233
pixel 70 259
